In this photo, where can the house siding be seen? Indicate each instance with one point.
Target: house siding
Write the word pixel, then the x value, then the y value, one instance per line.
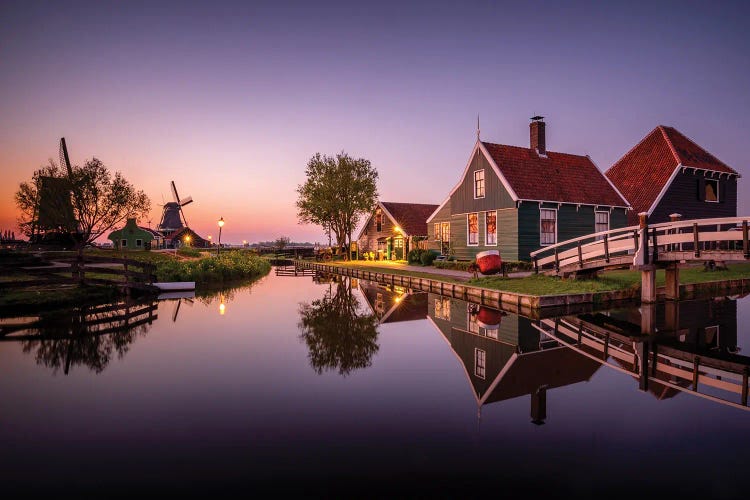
pixel 496 196
pixel 682 197
pixel 443 215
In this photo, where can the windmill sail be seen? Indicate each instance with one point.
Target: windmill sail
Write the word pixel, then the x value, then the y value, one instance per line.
pixel 173 215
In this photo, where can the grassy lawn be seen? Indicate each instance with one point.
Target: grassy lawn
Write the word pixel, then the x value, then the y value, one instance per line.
pixel 546 285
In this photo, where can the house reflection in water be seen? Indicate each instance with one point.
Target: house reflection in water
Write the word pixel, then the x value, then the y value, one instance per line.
pixel 391 304
pixel 504 356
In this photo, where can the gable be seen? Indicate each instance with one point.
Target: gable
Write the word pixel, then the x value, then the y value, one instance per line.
pixel 495 195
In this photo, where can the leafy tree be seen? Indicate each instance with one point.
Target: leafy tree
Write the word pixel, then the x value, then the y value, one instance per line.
pixel 281 242
pixel 100 200
pixel 338 191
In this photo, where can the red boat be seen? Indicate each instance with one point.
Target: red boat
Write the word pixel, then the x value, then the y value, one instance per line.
pixel 489 318
pixel 489 262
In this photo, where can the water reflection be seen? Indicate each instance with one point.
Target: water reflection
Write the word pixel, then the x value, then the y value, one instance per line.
pixel 88 336
pixel 338 335
pixel 669 348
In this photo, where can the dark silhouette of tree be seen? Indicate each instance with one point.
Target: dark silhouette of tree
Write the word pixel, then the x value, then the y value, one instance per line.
pixel 337 336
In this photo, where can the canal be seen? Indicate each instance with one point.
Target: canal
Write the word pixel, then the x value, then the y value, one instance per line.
pixel 318 385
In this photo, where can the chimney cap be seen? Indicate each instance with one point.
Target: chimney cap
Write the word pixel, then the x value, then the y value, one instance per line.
pixel 537 118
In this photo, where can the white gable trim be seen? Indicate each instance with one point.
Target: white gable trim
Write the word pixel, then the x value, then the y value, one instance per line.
pixel 477 146
pixel 664 189
pixel 393 219
pixel 627 203
pixel 367 222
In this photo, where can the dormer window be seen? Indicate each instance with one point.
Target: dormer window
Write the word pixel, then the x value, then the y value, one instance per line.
pixel 479 184
pixel 378 221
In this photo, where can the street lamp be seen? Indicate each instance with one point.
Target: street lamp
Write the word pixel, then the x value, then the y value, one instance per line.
pixel 210 244
pixel 221 224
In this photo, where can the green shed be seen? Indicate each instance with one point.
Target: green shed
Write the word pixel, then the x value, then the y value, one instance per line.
pixel 131 237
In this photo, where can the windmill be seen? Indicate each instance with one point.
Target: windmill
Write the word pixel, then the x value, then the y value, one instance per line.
pixel 173 216
pixel 53 213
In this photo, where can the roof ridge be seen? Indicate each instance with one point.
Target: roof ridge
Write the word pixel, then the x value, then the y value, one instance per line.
pixel 547 152
pixel 643 139
pixel 662 128
pixel 703 149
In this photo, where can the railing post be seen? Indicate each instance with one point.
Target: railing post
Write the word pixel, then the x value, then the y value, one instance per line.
pixel 745 248
pixel 696 249
pixel 536 264
pixel 655 255
pixel 606 248
pixel 580 256
pixel 675 217
pixel 557 261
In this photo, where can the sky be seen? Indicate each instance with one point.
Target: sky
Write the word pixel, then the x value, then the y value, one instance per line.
pixel 231 99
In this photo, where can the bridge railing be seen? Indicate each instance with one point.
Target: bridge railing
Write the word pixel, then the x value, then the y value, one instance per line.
pixel 690 237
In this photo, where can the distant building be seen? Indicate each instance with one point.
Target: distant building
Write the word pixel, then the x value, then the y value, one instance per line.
pixel 131 237
pixel 393 229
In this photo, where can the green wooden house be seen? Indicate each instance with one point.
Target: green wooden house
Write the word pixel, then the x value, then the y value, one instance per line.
pixel 519 199
pixel 131 237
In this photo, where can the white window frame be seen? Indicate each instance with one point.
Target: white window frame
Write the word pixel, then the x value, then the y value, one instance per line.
pixel 484 184
pixel 437 232
pixel 480 362
pixel 468 230
pixel 705 183
pixel 540 226
pixel 487 233
pixel 445 231
pixel 605 212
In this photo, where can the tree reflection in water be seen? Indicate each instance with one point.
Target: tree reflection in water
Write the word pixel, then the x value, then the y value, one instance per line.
pixel 88 336
pixel 337 336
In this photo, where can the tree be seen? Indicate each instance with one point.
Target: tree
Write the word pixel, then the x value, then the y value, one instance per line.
pixel 281 242
pixel 100 201
pixel 337 192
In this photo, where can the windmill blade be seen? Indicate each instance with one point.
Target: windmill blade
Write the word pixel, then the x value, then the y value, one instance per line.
pixel 186 201
pixel 64 158
pixel 174 193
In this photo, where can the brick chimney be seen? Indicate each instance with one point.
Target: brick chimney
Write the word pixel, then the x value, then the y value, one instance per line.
pixel 536 129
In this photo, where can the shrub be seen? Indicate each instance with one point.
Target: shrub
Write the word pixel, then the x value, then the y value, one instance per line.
pixel 189 252
pixel 415 256
pixel 461 265
pixel 230 265
pixel 428 257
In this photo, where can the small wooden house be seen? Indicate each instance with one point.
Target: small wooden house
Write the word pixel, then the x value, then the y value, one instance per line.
pixel 667 173
pixel 131 237
pixel 518 199
pixel 186 237
pixel 393 229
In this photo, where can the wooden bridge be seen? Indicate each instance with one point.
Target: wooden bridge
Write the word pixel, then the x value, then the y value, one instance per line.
pixel 648 247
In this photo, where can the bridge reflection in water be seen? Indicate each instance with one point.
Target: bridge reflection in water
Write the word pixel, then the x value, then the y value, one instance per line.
pixel 670 348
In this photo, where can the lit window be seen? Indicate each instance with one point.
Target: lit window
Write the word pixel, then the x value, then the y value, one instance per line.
pixel 547 226
pixel 398 243
pixel 437 230
pixel 712 190
pixel 479 184
pixel 443 308
pixel 378 221
pixel 480 362
pixel 445 231
pixel 601 223
pixel 491 220
pixel 473 228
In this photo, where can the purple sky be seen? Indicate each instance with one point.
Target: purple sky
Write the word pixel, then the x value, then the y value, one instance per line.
pixel 230 99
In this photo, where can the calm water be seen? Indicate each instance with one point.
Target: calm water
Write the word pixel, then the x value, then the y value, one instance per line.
pixel 324 388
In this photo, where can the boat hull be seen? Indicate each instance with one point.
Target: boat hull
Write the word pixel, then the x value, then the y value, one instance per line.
pixel 489 318
pixel 489 262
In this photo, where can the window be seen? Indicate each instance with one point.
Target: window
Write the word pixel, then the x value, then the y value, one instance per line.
pixel 491 228
pixel 547 226
pixel 480 362
pixel 472 227
pixel 711 190
pixel 398 243
pixel 378 221
pixel 479 184
pixel 445 231
pixel 138 243
pixel 601 223
pixel 437 230
pixel 443 308
pixel 124 243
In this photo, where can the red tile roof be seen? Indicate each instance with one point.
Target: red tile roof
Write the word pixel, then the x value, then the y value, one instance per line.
pixel 411 217
pixel 559 177
pixel 642 172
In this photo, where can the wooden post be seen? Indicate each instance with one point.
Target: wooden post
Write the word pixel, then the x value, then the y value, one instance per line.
pixel 580 255
pixel 745 248
pixel 696 366
pixel 606 248
pixel 696 249
pixel 643 372
pixel 536 265
pixel 672 281
pixel 557 261
pixel 655 255
pixel 675 217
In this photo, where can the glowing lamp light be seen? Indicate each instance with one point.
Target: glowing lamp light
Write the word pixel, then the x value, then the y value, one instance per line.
pixel 222 306
pixel 221 224
pixel 397 229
